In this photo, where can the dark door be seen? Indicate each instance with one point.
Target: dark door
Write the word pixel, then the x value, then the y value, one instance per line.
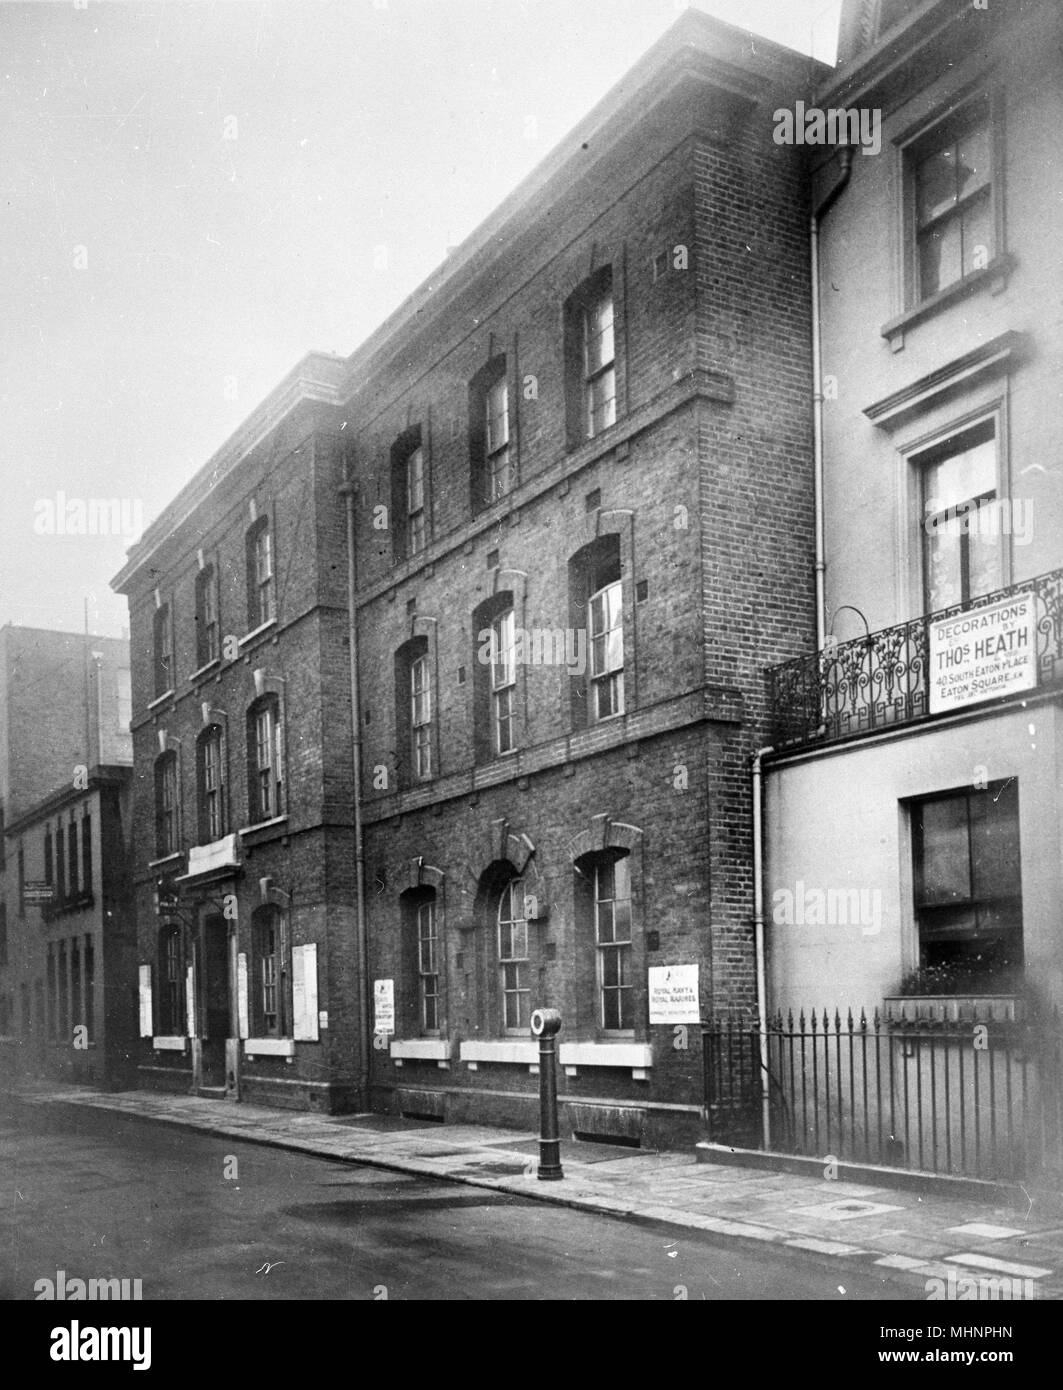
pixel 215 999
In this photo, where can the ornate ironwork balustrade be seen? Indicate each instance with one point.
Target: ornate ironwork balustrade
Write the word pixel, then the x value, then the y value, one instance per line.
pixel 882 679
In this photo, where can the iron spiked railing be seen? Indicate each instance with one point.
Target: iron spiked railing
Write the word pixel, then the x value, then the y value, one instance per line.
pixel 977 1097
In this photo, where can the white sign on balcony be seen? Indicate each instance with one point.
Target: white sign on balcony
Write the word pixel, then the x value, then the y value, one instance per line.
pixel 983 653
pixel 219 854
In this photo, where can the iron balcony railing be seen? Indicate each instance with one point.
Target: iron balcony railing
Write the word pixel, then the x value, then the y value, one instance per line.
pixel 881 679
pixel 975 1097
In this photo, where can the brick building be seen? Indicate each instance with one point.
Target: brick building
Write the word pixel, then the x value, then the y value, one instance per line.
pixel 67 936
pixel 577 468
pixel 585 526
pixel 244 876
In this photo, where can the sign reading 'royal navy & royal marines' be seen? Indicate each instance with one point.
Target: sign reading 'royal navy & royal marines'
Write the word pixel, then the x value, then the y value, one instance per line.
pixel 983 653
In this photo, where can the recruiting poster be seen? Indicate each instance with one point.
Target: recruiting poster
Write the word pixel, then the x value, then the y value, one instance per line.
pixel 674 996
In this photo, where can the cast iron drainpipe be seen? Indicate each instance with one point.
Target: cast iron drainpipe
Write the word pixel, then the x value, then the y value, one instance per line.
pixel 845 156
pixel 758 927
pixel 362 942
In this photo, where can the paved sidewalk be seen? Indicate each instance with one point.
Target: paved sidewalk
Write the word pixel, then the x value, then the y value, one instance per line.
pixel 904 1235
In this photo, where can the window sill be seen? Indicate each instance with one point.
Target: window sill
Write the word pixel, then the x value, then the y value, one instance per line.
pixel 173 858
pixel 263 830
pixel 161 699
pixel 512 1052
pixel 422 1050
pixel 170 1044
pixel 270 1047
pixel 211 665
pixel 636 1056
pixel 993 276
pixel 258 631
pixel 60 909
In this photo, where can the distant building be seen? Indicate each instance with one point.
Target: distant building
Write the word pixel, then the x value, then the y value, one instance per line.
pixel 67 934
pixel 244 872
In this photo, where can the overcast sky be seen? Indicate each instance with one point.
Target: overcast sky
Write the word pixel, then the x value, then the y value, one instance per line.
pixel 195 195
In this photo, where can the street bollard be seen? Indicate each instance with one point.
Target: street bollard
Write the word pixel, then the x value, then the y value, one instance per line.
pixel 545 1025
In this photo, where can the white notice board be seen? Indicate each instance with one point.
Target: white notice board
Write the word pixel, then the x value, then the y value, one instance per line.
pixel 983 653
pixel 145 1002
pixel 674 996
pixel 241 994
pixel 304 993
pixel 383 1006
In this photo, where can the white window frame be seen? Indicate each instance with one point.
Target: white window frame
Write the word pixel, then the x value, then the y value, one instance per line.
pixel 958 124
pixel 622 948
pixel 207 612
pixel 428 967
pixel 421 716
pixel 416 531
pixel 263 547
pixel 268 772
pixel 496 438
pixel 503 683
pixel 607 674
pixel 166 806
pixel 509 958
pixel 213 789
pixel 598 325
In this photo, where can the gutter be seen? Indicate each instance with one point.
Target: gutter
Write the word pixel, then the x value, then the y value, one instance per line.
pixel 361 931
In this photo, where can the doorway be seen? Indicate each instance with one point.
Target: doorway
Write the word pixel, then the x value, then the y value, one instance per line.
pixel 216 999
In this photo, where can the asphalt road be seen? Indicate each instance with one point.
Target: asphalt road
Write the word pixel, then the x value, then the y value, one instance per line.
pixel 103 1196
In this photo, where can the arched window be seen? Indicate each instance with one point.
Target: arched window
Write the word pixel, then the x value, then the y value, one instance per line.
pixel 414 712
pixel 171 969
pixel 271 1005
pixel 265 759
pixel 422 950
pixel 489 434
pixel 210 770
pixel 596 606
pixel 590 358
pixel 612 917
pixel 604 917
pixel 514 964
pixel 162 632
pixel 166 837
pixel 207 623
pixel 408 510
pixel 261 607
pixel 495 677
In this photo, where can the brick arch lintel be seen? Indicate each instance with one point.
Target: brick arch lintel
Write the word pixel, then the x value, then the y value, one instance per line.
pixel 516 582
pixel 415 873
pixel 613 520
pixel 604 833
pixel 429 629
